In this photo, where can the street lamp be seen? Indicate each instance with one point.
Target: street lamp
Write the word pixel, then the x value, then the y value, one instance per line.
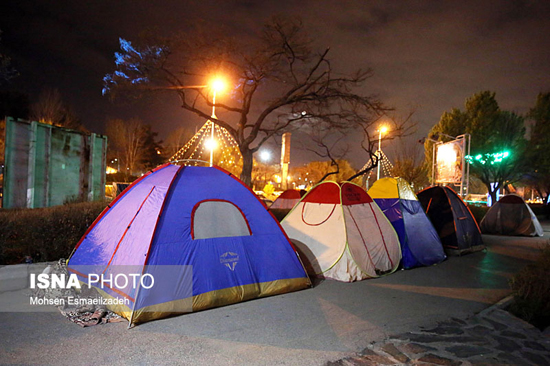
pixel 210 144
pixel 115 160
pixel 382 130
pixel 265 156
pixel 217 85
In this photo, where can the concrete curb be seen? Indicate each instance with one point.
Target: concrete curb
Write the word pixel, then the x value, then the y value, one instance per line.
pixel 502 304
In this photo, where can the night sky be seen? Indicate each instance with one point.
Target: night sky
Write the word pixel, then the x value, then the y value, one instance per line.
pixel 426 55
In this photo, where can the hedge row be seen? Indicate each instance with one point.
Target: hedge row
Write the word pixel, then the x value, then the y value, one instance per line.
pixel 45 234
pixel 478 212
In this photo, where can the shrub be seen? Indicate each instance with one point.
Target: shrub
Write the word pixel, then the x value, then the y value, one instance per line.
pixel 531 290
pixel 540 210
pixel 46 234
pixel 478 212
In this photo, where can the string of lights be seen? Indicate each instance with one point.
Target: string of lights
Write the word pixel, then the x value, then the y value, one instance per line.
pixel 197 148
pixel 487 158
pixel 385 163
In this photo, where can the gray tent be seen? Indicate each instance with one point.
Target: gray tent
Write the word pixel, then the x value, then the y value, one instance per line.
pixel 511 216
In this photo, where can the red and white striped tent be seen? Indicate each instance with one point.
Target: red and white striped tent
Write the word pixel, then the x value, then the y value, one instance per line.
pixel 286 200
pixel 342 234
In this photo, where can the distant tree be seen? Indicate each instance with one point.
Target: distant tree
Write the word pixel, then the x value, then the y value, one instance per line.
pixel 410 166
pixel 492 131
pixel 538 156
pixel 328 146
pixel 176 140
pixel 300 175
pixel 126 140
pixel 279 82
pixel 51 109
pixel 151 149
pixel 71 120
pixel 262 173
pixel 318 171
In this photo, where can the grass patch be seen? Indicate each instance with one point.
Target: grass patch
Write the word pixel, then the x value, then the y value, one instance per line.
pixel 531 290
pixel 45 234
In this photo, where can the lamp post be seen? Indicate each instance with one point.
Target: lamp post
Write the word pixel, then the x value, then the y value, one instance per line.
pixel 216 85
pixel 382 130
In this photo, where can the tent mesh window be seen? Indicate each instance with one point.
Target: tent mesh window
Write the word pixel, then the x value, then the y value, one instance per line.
pixel 218 219
pixel 314 214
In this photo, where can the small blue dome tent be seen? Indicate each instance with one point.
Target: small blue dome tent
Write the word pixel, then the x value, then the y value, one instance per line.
pixel 199 233
pixel 420 243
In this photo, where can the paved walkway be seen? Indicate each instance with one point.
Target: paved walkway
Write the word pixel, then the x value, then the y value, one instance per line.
pixel 492 337
pixel 421 316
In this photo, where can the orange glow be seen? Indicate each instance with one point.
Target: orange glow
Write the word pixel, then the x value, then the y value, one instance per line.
pixel 211 144
pixel 218 84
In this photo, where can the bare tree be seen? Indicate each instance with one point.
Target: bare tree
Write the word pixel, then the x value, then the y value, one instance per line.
pixel 126 140
pixel 51 109
pixel 398 127
pixel 329 146
pixel 409 165
pixel 176 140
pixel 279 82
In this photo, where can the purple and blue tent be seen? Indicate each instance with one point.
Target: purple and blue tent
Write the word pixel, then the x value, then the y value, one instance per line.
pixel 420 243
pixel 199 237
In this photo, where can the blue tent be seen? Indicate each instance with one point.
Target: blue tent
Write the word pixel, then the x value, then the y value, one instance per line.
pixel 452 219
pixel 199 233
pixel 420 244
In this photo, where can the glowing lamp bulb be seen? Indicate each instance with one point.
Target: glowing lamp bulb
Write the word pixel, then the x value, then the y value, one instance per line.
pixel 265 155
pixel 218 85
pixel 210 144
pixel 383 129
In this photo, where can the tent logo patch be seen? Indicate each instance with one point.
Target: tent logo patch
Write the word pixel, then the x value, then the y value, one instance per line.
pixel 229 259
pixel 352 195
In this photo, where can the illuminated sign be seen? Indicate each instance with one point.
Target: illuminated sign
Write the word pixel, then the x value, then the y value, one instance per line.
pixel 449 162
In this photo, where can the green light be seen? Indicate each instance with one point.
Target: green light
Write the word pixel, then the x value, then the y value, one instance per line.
pixel 488 158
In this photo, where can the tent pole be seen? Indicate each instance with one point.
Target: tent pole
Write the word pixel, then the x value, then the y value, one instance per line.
pixel 135 300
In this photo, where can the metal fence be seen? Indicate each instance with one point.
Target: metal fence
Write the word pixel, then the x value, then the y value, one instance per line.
pixel 47 165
